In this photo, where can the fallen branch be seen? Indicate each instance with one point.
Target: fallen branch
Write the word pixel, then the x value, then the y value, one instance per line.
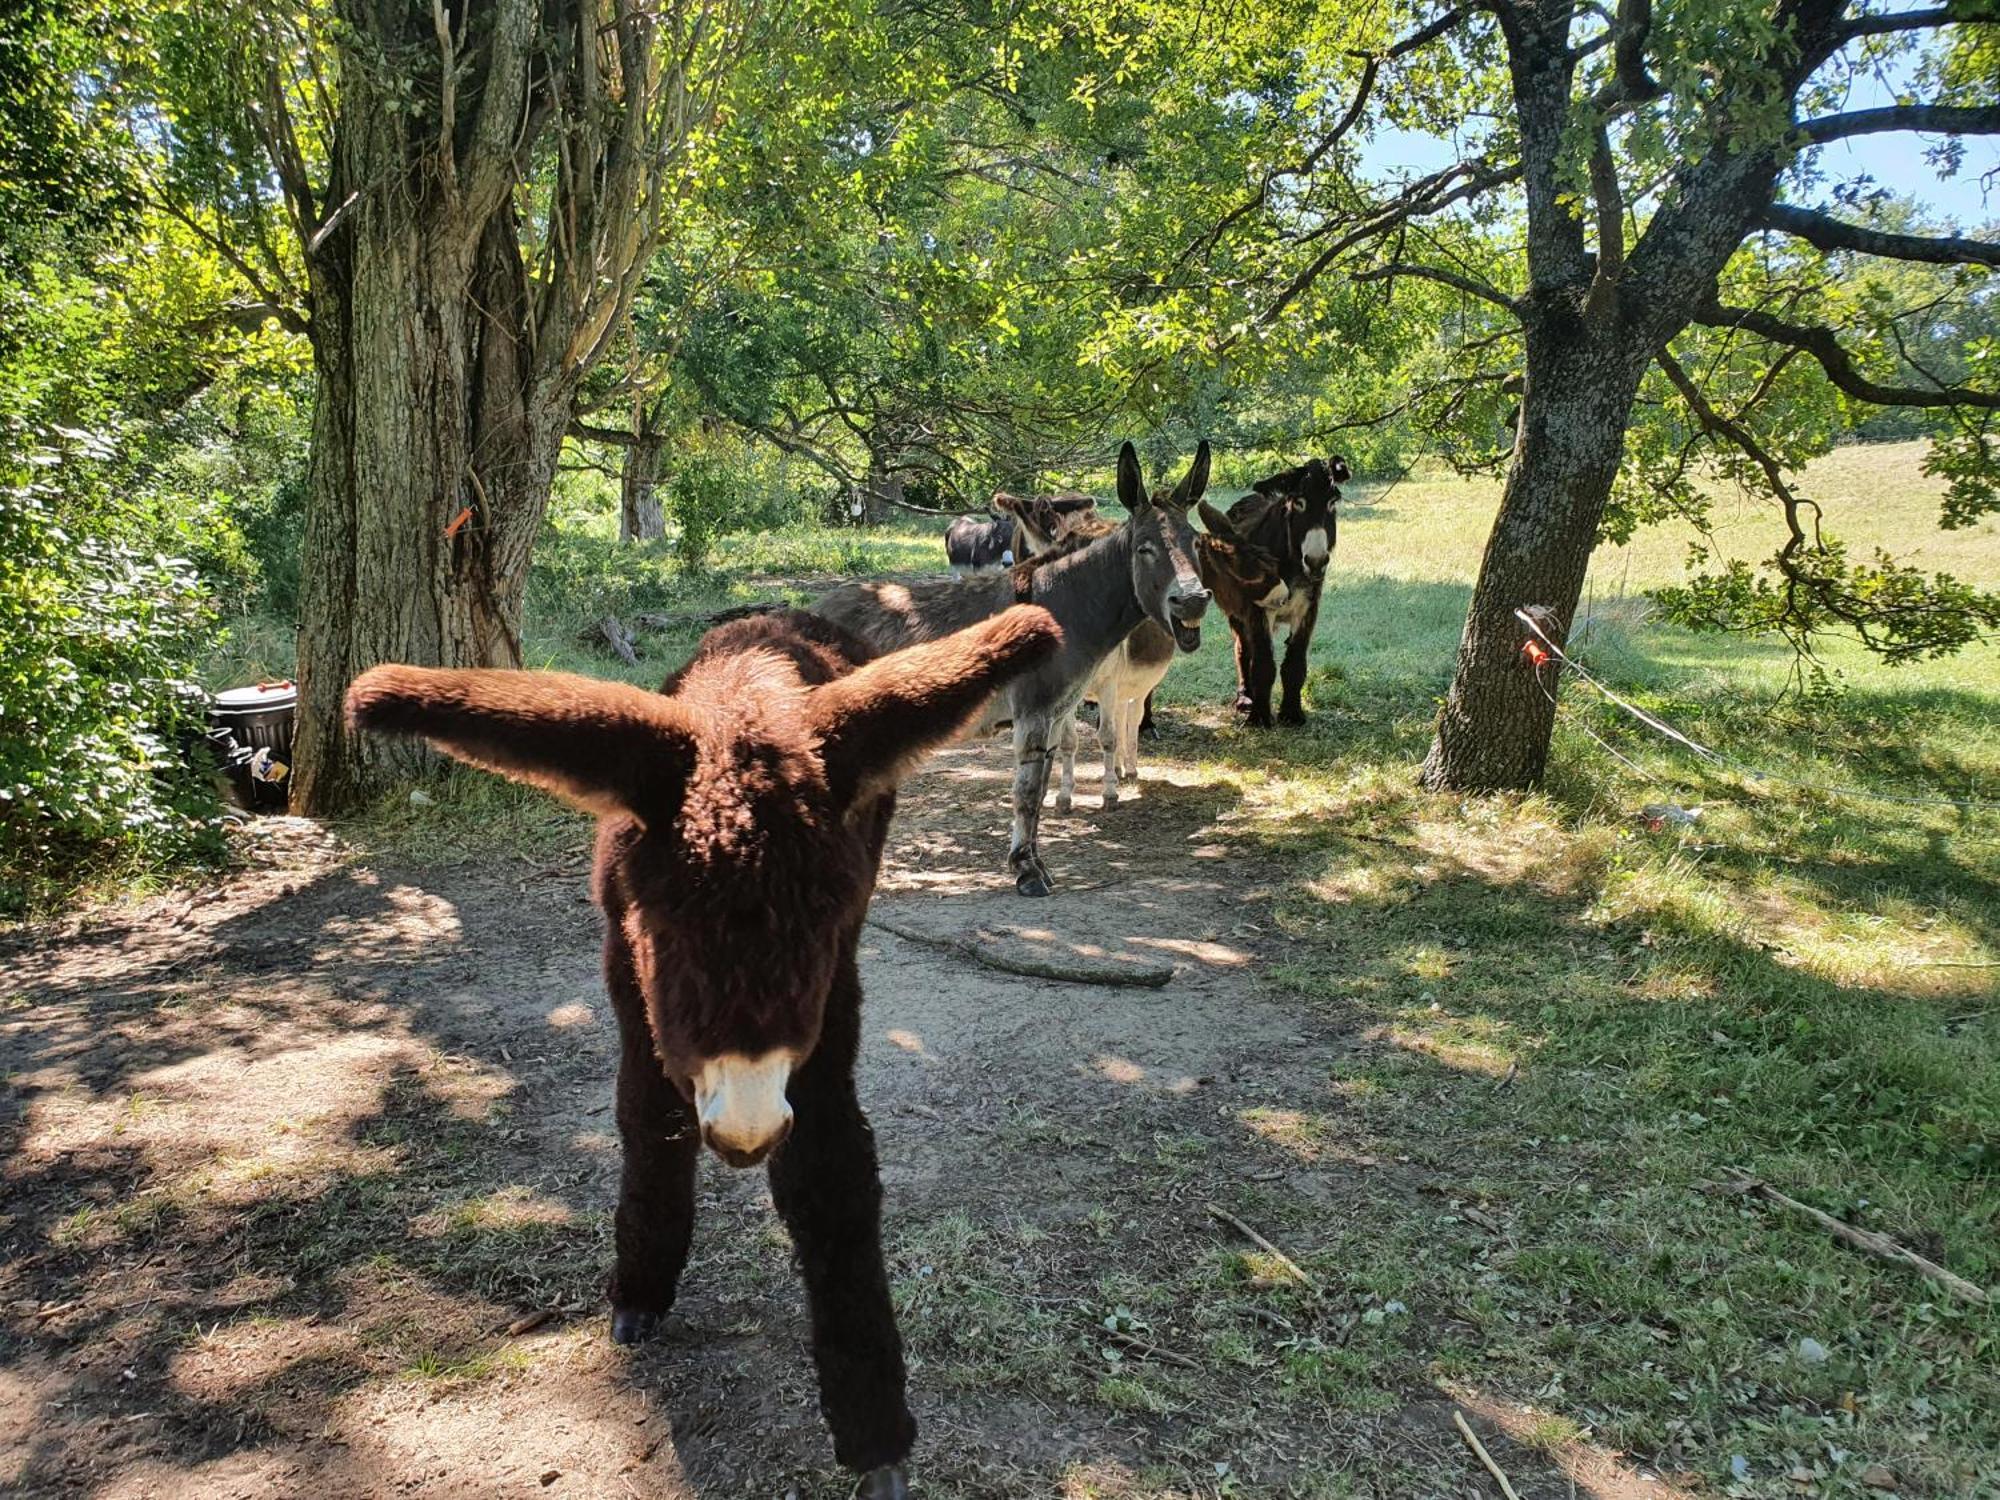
pixel 613 633
pixel 1143 1350
pixel 1862 1239
pixel 1222 1216
pixel 674 619
pixel 1479 1450
pixel 984 948
pixel 530 1323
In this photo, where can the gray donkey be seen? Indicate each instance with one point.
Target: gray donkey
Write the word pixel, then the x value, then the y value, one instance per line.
pixel 1099 593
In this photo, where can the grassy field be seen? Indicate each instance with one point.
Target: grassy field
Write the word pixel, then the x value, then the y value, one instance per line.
pixel 1799 983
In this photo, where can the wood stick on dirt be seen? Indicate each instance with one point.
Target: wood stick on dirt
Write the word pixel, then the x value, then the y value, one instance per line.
pixel 530 1323
pixel 1222 1216
pixel 1479 1451
pixel 981 949
pixel 1144 1350
pixel 1863 1239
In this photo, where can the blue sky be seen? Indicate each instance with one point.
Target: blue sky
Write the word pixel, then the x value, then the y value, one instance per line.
pixel 1894 159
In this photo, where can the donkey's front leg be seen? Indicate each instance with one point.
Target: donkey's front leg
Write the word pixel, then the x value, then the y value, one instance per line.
pixel 655 1217
pixel 1298 647
pixel 1066 791
pixel 1031 780
pixel 827 1189
pixel 1128 742
pixel 1263 670
pixel 1111 730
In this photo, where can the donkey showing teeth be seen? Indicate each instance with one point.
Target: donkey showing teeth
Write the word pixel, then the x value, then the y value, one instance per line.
pixel 741 816
pixel 1099 594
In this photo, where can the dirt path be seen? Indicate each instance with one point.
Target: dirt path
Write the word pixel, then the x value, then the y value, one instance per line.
pixel 285 1160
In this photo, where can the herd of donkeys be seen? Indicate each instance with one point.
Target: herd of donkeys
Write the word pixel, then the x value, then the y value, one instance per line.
pixel 742 812
pixel 1127 596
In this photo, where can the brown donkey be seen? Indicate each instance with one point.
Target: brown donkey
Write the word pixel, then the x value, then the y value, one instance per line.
pixel 741 816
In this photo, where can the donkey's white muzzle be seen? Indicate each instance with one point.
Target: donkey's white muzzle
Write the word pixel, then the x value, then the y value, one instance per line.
pixel 741 1106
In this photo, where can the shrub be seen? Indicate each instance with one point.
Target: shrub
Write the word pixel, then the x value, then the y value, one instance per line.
pixel 98 635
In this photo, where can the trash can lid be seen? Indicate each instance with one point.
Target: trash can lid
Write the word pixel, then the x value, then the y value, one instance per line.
pixel 261 695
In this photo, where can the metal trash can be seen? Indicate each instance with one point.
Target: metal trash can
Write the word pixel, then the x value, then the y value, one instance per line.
pixel 258 722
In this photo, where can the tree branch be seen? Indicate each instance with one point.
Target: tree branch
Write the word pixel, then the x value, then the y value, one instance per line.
pixel 1909 20
pixel 1931 119
pixel 1610 204
pixel 589 433
pixel 1470 285
pixel 1629 34
pixel 1371 65
pixel 1821 344
pixel 1828 233
pixel 1419 199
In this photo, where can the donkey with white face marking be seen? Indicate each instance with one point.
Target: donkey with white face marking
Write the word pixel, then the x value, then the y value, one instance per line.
pixel 1240 575
pixel 1144 570
pixel 1290 514
pixel 741 816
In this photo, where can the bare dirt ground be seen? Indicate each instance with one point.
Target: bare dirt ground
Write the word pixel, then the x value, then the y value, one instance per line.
pixel 293 1166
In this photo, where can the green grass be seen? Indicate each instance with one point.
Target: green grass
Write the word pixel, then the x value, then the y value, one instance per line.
pixel 1577 1020
pixel 1800 984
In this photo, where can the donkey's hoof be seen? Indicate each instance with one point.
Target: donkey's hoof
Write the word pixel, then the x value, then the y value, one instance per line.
pixel 633 1325
pixel 890 1482
pixel 1110 796
pixel 1292 718
pixel 1032 882
pixel 1063 804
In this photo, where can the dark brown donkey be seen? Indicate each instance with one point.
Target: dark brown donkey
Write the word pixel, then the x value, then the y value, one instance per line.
pixel 1291 514
pixel 741 815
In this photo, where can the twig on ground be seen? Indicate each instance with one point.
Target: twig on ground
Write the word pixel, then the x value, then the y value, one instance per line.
pixel 1222 1216
pixel 1144 1350
pixel 981 948
pixel 1479 1451
pixel 1862 1239
pixel 530 1323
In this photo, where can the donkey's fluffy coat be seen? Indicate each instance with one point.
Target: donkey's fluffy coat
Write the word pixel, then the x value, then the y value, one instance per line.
pixel 742 816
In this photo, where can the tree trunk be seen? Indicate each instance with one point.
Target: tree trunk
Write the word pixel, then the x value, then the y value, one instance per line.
pixel 879 494
pixel 432 457
pixel 1583 373
pixel 641 517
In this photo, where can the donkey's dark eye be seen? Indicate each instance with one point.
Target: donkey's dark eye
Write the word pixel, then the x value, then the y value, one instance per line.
pixel 1147 549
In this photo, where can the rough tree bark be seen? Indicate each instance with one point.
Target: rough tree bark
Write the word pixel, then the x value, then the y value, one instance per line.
pixel 446 375
pixel 1496 723
pixel 1592 323
pixel 641 516
pixel 434 446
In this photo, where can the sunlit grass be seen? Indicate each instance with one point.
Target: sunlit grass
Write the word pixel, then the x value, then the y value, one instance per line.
pixel 1569 1020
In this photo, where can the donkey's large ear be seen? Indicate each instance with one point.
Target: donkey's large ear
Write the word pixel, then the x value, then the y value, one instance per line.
pixel 878 720
pixel 1131 489
pixel 1337 467
pixel 1281 483
pixel 1219 525
pixel 1194 484
pixel 604 746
